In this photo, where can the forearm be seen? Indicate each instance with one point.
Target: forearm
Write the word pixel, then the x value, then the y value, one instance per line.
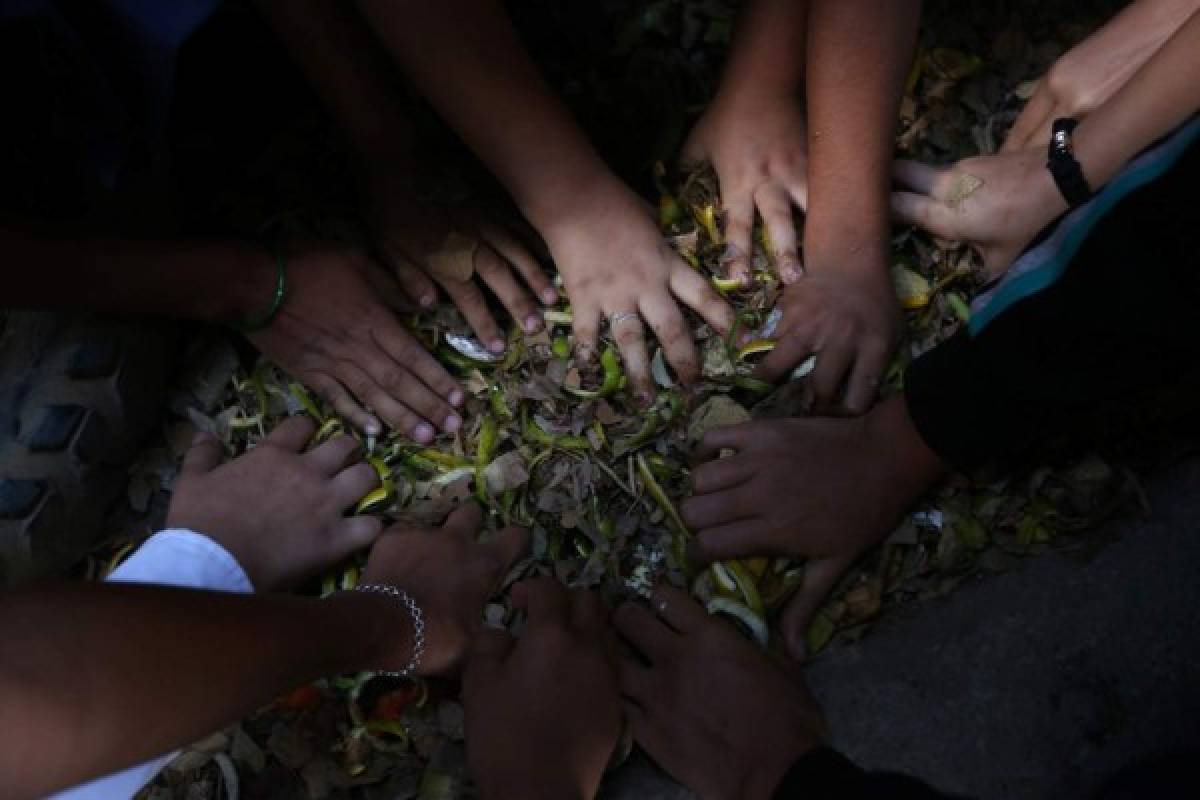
pixel 347 68
pixel 466 57
pixel 75 676
pixel 858 53
pixel 211 281
pixel 1160 96
pixel 767 57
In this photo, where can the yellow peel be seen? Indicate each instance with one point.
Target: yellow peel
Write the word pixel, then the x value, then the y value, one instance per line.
pixel 376 499
pixel 753 622
pixel 754 348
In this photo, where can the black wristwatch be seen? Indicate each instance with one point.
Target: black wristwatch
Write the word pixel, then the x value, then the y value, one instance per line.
pixel 1068 175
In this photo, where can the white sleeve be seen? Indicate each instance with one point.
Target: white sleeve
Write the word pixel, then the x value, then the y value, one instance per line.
pixel 176 557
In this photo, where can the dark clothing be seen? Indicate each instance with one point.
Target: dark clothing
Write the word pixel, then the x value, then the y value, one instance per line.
pixel 825 774
pixel 1111 345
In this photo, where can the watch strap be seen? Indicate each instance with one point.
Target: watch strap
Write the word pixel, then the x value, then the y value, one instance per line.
pixel 1061 161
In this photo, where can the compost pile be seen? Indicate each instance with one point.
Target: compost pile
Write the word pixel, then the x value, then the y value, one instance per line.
pixel 557 444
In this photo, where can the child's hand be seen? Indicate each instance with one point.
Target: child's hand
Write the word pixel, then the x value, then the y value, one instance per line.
pixel 825 489
pixel 849 322
pixel 552 690
pixel 337 334
pixel 758 147
pixel 423 243
pixel 707 705
pixel 618 269
pixel 277 510
pixel 450 574
pixel 997 203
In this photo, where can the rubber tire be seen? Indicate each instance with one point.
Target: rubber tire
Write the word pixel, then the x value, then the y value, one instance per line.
pixel 78 397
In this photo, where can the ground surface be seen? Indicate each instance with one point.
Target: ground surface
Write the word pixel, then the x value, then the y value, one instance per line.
pixel 1038 683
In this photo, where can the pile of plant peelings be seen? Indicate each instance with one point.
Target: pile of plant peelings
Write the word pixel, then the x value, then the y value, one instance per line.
pixel 558 445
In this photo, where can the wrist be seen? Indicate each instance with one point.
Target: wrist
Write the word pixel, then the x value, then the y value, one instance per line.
pixel 377 632
pixel 248 284
pixel 916 466
pixel 763 778
pixel 556 200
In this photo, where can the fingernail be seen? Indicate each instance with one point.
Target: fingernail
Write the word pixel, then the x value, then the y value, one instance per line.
pixel 427 301
pixel 372 427
pixel 452 423
pixel 456 397
pixel 496 346
pixel 549 296
pixel 532 323
pixel 423 433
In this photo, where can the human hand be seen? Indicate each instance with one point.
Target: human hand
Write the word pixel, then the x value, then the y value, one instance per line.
pixel 758 147
pixel 825 489
pixel 850 322
pixel 450 574
pixel 710 707
pixel 1083 78
pixel 337 334
pixel 996 204
pixel 552 690
pixel 617 267
pixel 459 248
pixel 279 511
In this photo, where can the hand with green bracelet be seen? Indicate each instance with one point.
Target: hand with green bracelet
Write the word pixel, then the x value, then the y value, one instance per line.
pixel 335 328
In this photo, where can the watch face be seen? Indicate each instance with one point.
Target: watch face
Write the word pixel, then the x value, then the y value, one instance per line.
pixel 1062 142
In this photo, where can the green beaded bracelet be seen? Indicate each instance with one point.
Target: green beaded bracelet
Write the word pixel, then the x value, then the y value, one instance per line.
pixel 265 320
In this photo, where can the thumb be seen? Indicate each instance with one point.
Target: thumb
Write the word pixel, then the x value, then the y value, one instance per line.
pixel 353 534
pixel 820 575
pixel 202 457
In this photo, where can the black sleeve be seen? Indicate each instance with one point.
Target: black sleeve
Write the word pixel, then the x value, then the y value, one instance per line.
pixel 825 774
pixel 1114 342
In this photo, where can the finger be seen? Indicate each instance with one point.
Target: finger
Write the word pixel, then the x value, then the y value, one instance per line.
pixel 699 295
pixel 404 391
pixel 415 284
pixel 917 177
pixel 292 434
pixel 545 602
pixel 519 256
pixel 790 351
pixel 489 646
pixel 587 613
pixel 678 609
pixel 353 483
pixel 496 273
pixel 354 534
pixel 647 634
pixel 404 349
pixel 203 456
pixel 720 475
pixel 745 436
pixel 631 341
pixel 820 576
pixel 508 547
pixel 739 539
pixel 709 510
pixel 586 326
pixel 776 208
pixel 739 238
pixel 468 298
pixel 833 362
pixel 645 730
pixel 676 338
pixel 344 404
pixel 464 521
pixel 637 681
pixel 868 371
pixel 334 455
pixel 928 215
pixel 367 391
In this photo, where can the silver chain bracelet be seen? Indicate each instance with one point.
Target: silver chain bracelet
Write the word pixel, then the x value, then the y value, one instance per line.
pixel 418 620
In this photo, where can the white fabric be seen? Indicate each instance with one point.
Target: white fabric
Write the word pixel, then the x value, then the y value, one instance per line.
pixel 175 557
